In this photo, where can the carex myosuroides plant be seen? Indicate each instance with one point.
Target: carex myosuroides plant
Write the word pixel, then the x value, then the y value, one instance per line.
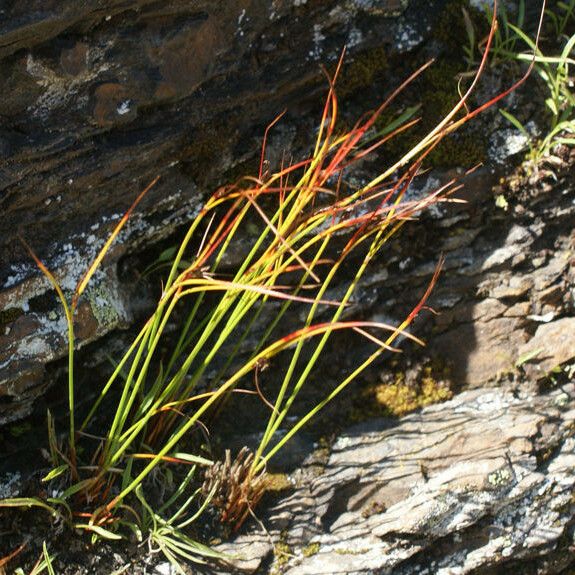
pixel 303 210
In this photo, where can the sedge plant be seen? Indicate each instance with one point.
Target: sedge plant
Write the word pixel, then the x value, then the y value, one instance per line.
pixel 44 564
pixel 504 40
pixel 556 74
pixel 311 225
pixel 562 16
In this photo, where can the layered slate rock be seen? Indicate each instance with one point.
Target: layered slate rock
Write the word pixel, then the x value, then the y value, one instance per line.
pixel 480 484
pixel 102 96
pixel 506 295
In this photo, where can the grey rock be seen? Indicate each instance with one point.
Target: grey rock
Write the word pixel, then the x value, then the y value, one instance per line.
pixel 481 481
pixel 110 98
pixel 552 345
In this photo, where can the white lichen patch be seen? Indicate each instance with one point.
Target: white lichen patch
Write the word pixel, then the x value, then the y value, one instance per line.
pixel 165 568
pixel 59 89
pixel 17 274
pixel 339 15
pixel 364 4
pixel 419 190
pixel 10 485
pixel 242 19
pixel 507 142
pixel 380 7
pixel 33 347
pixel 69 261
pixel 407 38
pixel 316 52
pixel 479 482
pixel 355 37
pixel 124 107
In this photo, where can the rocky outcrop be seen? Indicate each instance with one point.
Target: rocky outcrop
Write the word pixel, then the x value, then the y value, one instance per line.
pixel 506 296
pixel 480 484
pixel 100 98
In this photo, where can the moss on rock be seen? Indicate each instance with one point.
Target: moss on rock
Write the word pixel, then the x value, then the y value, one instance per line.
pixel 362 71
pixel 400 396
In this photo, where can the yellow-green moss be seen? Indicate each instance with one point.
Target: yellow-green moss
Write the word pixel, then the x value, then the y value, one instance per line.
pixel 201 152
pixel 450 29
pixel 20 429
pixel 398 397
pixel 349 551
pixel 362 71
pixel 375 508
pixel 440 92
pixel 437 92
pixel 282 554
pixel 204 150
pixel 463 150
pixel 277 482
pixel 438 95
pixel 311 549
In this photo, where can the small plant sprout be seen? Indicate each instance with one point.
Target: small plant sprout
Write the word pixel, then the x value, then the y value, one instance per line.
pixel 562 16
pixel 505 40
pixel 554 71
pixel 560 102
pixel 143 474
pixel 43 564
pixel 70 308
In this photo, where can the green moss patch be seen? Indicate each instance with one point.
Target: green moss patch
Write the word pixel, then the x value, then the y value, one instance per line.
pixel 399 396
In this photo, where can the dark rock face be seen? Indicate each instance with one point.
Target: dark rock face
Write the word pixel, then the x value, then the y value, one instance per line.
pixel 99 98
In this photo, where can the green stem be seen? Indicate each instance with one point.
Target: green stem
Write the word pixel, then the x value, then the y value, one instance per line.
pixel 71 401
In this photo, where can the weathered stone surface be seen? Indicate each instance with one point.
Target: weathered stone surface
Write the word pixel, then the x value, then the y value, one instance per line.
pixel 99 98
pixel 505 274
pixel 552 345
pixel 483 483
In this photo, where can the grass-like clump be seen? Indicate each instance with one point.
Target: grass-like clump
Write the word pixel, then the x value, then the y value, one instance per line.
pixel 138 473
